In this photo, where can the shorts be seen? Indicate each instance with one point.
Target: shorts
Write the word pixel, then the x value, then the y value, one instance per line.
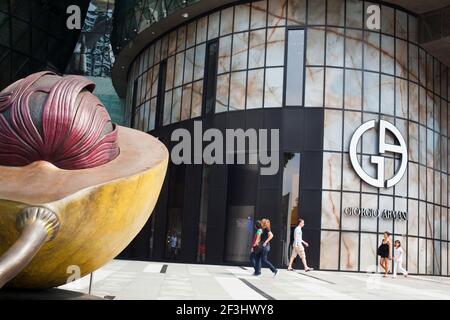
pixel 298 250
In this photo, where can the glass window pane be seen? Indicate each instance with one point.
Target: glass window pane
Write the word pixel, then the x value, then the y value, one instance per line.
pixel 276 13
pixel 314 87
pixel 295 68
pixel 213 25
pixel 189 66
pixel 353 49
pixel 335 47
pixel 240 46
pixel 176 105
pixel 353 89
pixel 223 85
pixel 354 14
pixel 334 80
pixel 296 12
pixel 335 12
pixel 371 92
pixel 273 93
pixel 315 46
pixel 316 12
pixel 387 54
pixel 332 130
pixel 275 47
pixel 241 17
pixel 224 55
pixel 371 51
pixel 202 25
pixel 259 14
pixel 190 38
pixel 238 90
pixel 257 51
pixel 199 66
pixel 197 96
pixel 226 21
pixel 255 89
pixel 186 102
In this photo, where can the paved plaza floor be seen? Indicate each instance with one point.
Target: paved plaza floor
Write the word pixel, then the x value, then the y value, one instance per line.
pixel 121 279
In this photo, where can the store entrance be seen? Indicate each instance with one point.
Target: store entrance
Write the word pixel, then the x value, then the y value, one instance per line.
pixel 290 202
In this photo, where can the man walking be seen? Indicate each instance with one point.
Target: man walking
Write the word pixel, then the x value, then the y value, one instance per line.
pixel 298 248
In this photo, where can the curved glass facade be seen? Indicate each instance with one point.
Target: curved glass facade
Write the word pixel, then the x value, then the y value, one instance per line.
pixel 34 37
pixel 351 74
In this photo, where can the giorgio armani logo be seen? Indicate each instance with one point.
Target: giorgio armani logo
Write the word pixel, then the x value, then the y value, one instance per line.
pixel 380 180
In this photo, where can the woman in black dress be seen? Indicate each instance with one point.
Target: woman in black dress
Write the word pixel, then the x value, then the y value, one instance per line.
pixel 385 252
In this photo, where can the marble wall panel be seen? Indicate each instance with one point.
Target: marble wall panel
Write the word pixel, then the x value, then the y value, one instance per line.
pixel 276 13
pixel 349 251
pixel 241 17
pixel 331 210
pixel 314 87
pixel 186 102
pixel 296 12
pixel 222 92
pixel 213 25
pixel 353 90
pixel 315 44
pixel 240 51
pixel 336 12
pixel 258 15
pixel 334 79
pixel 197 96
pixel 368 252
pixel 333 130
pixel 238 91
pixel 335 47
pixel 411 254
pixel 353 48
pixel 255 89
pixel 275 47
pixel 331 176
pixel 329 250
pixel 257 49
pixel 350 223
pixel 226 21
pixel 316 12
pixel 273 91
pixel 369 201
pixel 224 60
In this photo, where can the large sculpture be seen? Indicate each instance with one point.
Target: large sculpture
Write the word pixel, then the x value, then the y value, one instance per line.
pixel 75 189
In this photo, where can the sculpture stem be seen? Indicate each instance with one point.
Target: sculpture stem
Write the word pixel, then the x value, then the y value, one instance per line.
pixel 37 225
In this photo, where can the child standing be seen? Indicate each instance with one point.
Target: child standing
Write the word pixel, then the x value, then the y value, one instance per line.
pixel 398 259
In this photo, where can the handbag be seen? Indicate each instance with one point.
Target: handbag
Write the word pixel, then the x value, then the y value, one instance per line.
pixel 257 249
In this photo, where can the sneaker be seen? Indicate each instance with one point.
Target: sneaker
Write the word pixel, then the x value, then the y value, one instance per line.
pixel 275 273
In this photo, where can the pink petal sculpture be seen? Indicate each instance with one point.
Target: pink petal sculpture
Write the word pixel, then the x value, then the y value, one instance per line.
pixel 55 119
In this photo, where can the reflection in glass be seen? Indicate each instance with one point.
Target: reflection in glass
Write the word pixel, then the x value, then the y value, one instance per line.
pixel 290 200
pixel 203 218
pixel 175 211
pixel 212 50
pixel 295 68
pixel 241 199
